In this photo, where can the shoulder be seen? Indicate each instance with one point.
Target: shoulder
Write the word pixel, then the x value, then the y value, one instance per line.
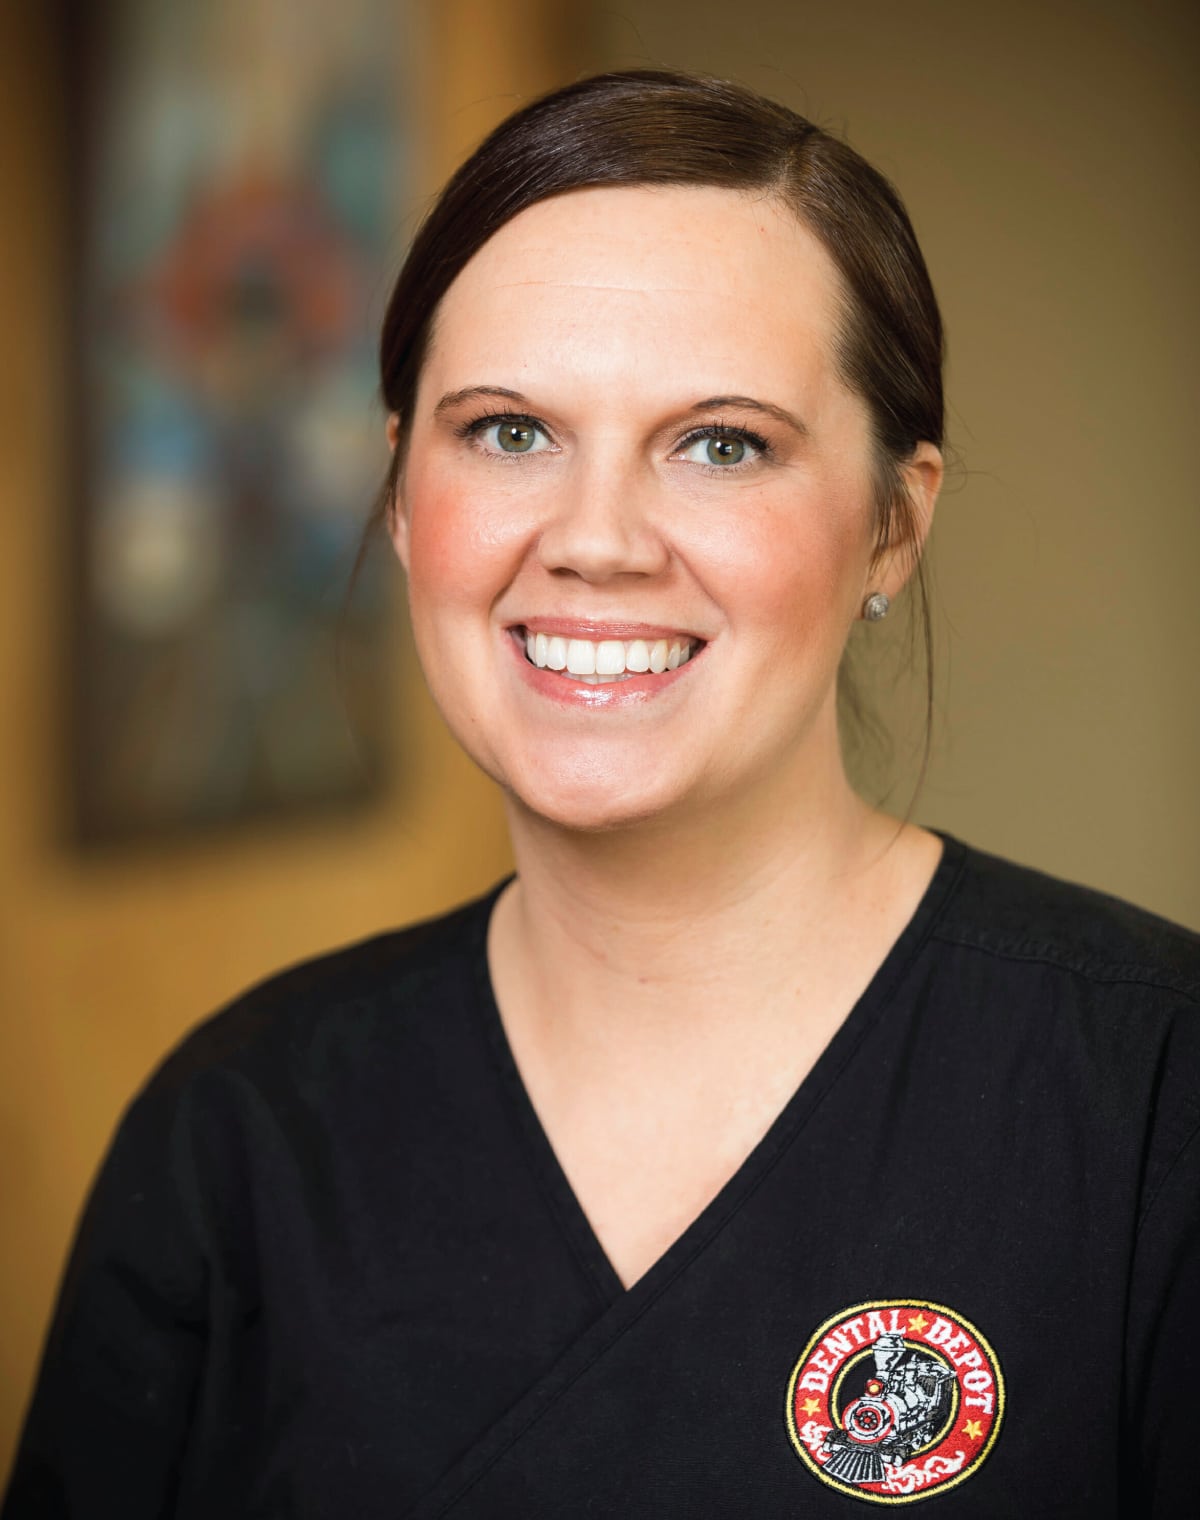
pixel 1023 916
pixel 346 1008
pixel 1090 1005
pixel 287 1097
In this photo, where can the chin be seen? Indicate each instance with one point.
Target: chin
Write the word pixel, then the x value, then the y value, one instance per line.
pixel 591 809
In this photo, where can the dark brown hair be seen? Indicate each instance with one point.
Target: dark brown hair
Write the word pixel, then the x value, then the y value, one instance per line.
pixel 651 127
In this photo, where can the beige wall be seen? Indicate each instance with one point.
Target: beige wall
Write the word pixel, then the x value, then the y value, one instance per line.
pixel 104 964
pixel 1047 153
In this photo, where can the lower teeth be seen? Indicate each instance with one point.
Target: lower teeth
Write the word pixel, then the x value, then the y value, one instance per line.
pixel 626 675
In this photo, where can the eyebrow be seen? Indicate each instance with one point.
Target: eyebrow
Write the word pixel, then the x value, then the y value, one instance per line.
pixel 476 393
pixel 710 404
pixel 749 404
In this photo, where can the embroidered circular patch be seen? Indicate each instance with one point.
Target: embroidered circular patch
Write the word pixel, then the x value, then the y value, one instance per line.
pixel 895 1401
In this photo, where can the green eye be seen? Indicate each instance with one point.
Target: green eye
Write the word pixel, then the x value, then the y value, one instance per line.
pixel 508 435
pixel 516 437
pixel 725 450
pixel 723 447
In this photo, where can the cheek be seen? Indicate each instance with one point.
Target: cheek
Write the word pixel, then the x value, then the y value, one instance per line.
pixel 794 565
pixel 460 546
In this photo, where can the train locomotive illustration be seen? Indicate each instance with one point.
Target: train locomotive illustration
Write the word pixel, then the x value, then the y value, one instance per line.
pixel 903 1408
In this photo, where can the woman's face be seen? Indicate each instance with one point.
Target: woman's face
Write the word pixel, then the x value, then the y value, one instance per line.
pixel 630 448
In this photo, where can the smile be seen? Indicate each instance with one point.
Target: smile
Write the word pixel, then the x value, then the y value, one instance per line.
pixel 603 662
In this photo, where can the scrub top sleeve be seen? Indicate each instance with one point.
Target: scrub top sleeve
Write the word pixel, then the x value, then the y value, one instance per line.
pixel 1161 1387
pixel 107 1428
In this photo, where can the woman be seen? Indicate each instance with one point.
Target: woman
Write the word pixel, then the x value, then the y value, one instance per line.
pixel 750 1152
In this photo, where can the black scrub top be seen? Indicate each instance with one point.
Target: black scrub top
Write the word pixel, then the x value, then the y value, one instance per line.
pixel 332 1268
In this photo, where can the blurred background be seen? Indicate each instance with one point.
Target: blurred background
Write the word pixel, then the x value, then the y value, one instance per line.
pixel 209 768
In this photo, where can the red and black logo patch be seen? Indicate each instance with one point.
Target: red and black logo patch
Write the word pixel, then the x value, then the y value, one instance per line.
pixel 895 1401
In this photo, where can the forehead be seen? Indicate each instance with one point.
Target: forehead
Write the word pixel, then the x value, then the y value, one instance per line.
pixel 733 280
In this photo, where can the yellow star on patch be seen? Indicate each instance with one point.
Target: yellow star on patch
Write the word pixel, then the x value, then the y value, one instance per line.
pixel 810 1406
pixel 973 1429
pixel 917 1324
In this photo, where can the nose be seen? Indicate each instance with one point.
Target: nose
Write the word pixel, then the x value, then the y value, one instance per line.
pixel 602 525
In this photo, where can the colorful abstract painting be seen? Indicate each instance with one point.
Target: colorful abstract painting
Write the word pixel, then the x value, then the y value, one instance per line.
pixel 242 183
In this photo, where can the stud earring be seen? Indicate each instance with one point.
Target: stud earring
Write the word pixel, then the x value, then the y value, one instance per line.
pixel 876 606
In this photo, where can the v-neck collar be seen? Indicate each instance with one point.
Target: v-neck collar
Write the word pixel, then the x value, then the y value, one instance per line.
pixel 576 1228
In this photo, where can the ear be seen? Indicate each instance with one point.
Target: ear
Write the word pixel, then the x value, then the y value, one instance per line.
pixel 890 569
pixel 397 517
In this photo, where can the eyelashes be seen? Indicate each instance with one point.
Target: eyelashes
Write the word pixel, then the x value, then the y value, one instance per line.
pixel 516 434
pixel 520 433
pixel 475 425
pixel 725 433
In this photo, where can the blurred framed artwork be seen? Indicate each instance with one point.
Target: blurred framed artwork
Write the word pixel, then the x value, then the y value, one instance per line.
pixel 240 175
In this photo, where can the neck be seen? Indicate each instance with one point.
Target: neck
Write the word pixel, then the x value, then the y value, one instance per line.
pixel 666 923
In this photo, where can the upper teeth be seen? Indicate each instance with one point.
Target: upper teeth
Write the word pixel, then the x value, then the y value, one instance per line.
pixel 606 659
